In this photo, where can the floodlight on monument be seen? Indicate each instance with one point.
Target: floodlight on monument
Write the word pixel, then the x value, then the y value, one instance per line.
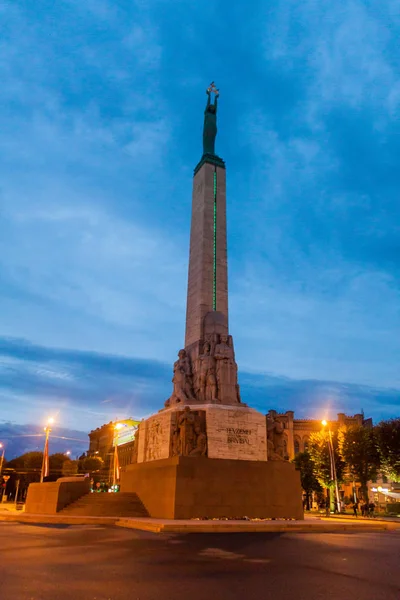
pixel 324 423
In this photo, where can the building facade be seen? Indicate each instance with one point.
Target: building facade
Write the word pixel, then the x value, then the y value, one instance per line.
pixel 101 443
pixel 297 431
pixel 297 434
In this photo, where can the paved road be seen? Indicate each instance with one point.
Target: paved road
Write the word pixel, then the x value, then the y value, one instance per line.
pixel 104 563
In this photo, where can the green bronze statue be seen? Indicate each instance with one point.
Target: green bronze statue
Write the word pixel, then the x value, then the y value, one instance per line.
pixel 210 121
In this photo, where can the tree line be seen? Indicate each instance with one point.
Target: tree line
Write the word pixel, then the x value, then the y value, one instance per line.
pixel 27 468
pixel 359 454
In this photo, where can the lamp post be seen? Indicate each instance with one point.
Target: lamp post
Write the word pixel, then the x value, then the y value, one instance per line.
pixel 2 458
pixel 45 463
pixel 332 461
pixel 117 427
pixel 1 470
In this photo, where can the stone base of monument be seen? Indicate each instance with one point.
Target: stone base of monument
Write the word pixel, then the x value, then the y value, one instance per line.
pixel 184 487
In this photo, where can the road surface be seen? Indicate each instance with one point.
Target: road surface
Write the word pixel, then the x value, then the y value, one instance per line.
pixel 105 563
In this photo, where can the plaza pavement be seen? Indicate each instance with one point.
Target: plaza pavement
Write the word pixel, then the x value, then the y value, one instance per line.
pixel 311 523
pixel 91 562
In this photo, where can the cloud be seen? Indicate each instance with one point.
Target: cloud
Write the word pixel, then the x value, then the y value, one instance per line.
pixel 101 117
pixel 18 439
pixel 83 390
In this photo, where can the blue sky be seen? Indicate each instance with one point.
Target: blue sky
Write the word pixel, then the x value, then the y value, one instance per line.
pixel 101 109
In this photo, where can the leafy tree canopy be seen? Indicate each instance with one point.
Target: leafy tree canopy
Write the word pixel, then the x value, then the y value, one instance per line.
pixel 90 464
pixel 319 453
pixel 305 465
pixel 388 443
pixel 357 447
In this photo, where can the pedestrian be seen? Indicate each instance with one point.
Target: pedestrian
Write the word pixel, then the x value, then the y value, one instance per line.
pixel 371 509
pixel 327 507
pixel 355 508
pixel 363 507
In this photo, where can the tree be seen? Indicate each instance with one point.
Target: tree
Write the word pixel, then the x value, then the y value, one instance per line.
pixel 358 448
pixel 27 467
pixel 56 462
pixel 69 467
pixel 90 464
pixel 320 456
pixel 387 435
pixel 309 482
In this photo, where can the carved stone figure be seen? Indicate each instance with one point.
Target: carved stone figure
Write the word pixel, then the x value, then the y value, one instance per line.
pixel 275 441
pixel 211 387
pixel 206 377
pixel 226 372
pixel 188 433
pixel 175 442
pixel 210 121
pixel 186 424
pixel 182 380
pixel 200 448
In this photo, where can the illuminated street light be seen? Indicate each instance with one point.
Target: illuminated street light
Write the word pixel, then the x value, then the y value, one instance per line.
pixel 332 461
pixel 45 463
pixel 68 453
pixel 2 458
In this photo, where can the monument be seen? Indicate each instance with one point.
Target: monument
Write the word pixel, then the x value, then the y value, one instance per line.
pixel 206 454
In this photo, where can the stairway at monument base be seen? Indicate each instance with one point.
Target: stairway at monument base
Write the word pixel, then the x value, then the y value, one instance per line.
pixel 106 505
pixel 196 487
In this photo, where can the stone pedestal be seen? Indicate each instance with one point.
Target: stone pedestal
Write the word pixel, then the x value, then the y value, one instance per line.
pixel 206 460
pixel 183 487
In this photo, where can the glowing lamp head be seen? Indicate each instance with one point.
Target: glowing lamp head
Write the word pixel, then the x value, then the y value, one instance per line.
pixel 324 423
pixel 50 421
pixel 1 445
pixel 118 426
pixel 379 488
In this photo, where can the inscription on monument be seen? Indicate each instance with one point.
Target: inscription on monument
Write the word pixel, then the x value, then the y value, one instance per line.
pixel 236 433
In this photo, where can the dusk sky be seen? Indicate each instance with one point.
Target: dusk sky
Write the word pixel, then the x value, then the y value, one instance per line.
pixel 100 129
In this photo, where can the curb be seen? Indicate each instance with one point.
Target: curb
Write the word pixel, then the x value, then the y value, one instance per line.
pixel 247 527
pixel 170 526
pixel 58 519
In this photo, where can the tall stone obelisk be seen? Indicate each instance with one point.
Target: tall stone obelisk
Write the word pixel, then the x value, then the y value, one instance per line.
pixel 206 371
pixel 205 453
pixel 208 269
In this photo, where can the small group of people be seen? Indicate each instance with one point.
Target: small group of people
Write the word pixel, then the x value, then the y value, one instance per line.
pixel 367 509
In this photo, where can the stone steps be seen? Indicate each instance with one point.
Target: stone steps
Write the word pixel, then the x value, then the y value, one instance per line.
pixel 107 505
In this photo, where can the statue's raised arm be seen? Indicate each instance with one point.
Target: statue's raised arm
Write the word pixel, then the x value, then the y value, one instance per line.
pixel 210 121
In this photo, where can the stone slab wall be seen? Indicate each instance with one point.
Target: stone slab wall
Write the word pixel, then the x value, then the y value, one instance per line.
pixel 184 487
pixel 155 484
pixel 49 498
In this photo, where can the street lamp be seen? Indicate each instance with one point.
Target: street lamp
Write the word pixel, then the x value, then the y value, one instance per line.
pixel 332 461
pixel 45 463
pixel 2 458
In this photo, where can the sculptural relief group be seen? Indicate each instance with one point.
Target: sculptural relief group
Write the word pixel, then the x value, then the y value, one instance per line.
pixel 210 378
